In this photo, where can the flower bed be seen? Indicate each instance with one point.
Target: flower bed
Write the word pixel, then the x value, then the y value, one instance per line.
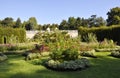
pixel 68 65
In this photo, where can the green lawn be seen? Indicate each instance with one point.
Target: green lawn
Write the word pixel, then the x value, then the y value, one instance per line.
pixel 102 67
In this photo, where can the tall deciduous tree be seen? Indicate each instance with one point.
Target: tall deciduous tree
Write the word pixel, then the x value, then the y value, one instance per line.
pixel 63 25
pixel 113 16
pixel 84 22
pixel 29 26
pixel 18 23
pixel 95 21
pixel 78 23
pixel 8 22
pixel 33 22
pixel 71 23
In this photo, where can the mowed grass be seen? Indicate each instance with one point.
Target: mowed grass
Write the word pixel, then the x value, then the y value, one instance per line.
pixel 104 66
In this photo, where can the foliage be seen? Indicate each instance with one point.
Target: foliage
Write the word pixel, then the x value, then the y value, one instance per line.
pixel 107 44
pixel 31 24
pixel 115 54
pixel 46 37
pixel 106 49
pixel 18 23
pixel 56 54
pixel 2 48
pixel 8 35
pixel 32 56
pixel 102 33
pixel 113 16
pixel 67 54
pixel 74 23
pixel 15 47
pixel 68 65
pixel 2 57
pixel 88 53
pixel 95 21
pixel 63 25
pixel 90 38
pixel 7 22
pixel 70 54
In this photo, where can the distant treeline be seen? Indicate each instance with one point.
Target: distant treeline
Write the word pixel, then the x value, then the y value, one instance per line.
pixel 71 23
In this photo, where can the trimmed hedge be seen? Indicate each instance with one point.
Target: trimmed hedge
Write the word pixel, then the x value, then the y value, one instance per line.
pixel 10 35
pixel 111 32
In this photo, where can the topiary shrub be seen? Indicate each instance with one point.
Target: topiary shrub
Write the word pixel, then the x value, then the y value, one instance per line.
pixel 2 57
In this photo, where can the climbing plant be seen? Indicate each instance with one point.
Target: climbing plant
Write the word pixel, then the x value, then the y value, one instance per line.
pixel 12 35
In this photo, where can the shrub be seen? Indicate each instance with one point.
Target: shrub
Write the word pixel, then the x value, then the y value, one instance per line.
pixel 13 48
pixel 68 54
pixel 115 54
pixel 31 56
pixel 85 47
pixel 56 54
pixel 3 48
pixel 88 53
pixel 68 65
pixel 107 44
pixel 90 37
pixel 2 57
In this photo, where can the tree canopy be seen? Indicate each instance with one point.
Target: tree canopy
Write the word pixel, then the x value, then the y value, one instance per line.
pixel 113 16
pixel 72 23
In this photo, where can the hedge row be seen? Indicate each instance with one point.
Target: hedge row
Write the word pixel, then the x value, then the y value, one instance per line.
pixel 10 34
pixel 111 32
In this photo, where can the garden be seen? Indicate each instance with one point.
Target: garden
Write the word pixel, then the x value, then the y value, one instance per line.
pixel 57 55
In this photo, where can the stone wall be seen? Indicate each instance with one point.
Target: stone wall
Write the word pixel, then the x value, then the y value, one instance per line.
pixel 72 33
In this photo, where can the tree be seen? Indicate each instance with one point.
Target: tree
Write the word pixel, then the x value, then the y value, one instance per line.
pixel 39 27
pixel 18 23
pixel 71 23
pixel 29 26
pixel 33 22
pixel 95 21
pixel 84 22
pixel 113 16
pixel 100 21
pixel 78 23
pixel 53 26
pixel 8 22
pixel 45 26
pixel 63 25
pixel 0 23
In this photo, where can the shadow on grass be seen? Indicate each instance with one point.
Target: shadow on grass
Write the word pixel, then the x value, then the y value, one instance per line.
pixel 102 67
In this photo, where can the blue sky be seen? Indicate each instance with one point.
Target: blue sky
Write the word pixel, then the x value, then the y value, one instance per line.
pixel 54 11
